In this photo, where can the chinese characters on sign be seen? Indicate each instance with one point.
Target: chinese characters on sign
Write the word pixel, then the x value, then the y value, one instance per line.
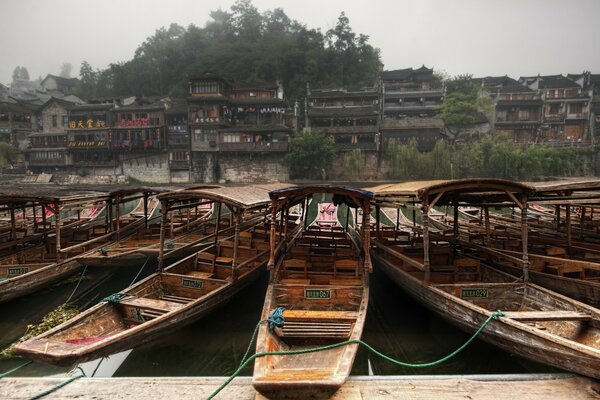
pixel 86 124
pixel 134 122
pixel 88 143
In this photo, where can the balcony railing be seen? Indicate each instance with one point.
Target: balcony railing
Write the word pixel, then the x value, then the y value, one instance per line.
pixel 45 162
pixel 127 145
pixel 96 163
pixel 577 116
pixel 554 117
pixel 254 146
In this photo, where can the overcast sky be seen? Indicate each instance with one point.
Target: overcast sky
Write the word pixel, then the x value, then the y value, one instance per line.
pixel 482 37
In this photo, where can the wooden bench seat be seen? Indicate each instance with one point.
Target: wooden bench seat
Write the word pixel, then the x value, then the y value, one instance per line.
pixel 317 324
pixel 345 282
pixel 200 274
pixel 296 265
pixel 562 269
pixel 151 304
pixel 547 315
pixel 295 281
pixel 176 299
pixel 345 265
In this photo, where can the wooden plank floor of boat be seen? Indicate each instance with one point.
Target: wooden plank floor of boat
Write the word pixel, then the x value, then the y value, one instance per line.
pixel 523 387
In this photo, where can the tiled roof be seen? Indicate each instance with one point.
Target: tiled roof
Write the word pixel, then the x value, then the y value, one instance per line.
pixel 556 81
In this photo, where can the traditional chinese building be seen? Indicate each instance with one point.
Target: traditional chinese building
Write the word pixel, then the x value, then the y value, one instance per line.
pixel 517 110
pixel 410 99
pixel 88 136
pixel 53 83
pixel 48 148
pixel 591 86
pixel 230 126
pixel 178 141
pixel 18 119
pixel 351 118
pixel 566 107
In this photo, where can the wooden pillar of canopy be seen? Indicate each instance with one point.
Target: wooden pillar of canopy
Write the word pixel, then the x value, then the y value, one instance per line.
pixel 488 233
pixel 58 222
pixel 366 234
pixel 272 234
pixel 426 261
pixel 557 217
pixel 236 241
pixel 568 227
pixel 378 222
pixel 35 224
pixel 13 223
pixel 455 218
pixel 524 240
pixel 218 225
pixel 164 209
pixel 146 216
pixel 118 216
pixel 347 218
pixel 582 222
pixel 45 228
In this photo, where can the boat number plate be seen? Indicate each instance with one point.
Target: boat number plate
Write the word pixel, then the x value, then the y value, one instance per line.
pixel 317 293
pixel 192 283
pixel 473 293
pixel 18 271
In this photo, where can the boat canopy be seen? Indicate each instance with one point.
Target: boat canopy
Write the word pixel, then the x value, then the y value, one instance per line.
pixel 352 197
pixel 578 192
pixel 473 191
pixel 241 197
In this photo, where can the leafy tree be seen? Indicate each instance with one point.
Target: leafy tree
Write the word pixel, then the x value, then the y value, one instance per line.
pixel 462 106
pixel 88 81
pixel 309 154
pixel 8 154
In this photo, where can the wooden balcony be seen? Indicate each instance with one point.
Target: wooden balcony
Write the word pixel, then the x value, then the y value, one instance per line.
pixel 254 147
pixel 349 129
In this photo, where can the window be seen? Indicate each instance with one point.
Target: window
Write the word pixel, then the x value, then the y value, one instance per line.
pixel 554 109
pixel 204 87
pixel 180 156
pixel 231 138
pixel 524 115
pixel 576 108
pixel 54 121
pixel 205 135
pixel 65 121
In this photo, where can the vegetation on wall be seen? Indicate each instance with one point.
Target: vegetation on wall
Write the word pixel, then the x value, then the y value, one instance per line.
pixel 496 157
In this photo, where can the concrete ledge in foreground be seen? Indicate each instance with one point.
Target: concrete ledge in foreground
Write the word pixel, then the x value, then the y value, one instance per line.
pixel 509 387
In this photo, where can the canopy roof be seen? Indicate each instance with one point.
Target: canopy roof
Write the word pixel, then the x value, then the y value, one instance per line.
pixel 582 191
pixel 352 197
pixel 243 197
pixel 475 191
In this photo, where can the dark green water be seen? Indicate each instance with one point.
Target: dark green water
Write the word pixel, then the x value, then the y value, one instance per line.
pixel 396 325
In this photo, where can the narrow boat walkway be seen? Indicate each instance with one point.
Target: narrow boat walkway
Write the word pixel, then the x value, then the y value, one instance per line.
pixel 509 387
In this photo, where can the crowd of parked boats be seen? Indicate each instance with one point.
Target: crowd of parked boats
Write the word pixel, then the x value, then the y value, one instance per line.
pixel 523 258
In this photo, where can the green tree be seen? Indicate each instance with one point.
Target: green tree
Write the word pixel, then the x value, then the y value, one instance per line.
pixel 8 154
pixel 88 81
pixel 462 107
pixel 309 154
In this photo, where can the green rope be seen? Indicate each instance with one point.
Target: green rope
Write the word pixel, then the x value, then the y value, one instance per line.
pixel 55 388
pixel 103 251
pixel 170 245
pixel 115 298
pixel 77 286
pixel 494 315
pixel 15 369
pixel 275 320
pixel 140 271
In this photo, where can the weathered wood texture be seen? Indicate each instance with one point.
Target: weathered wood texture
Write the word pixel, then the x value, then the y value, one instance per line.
pixel 417 388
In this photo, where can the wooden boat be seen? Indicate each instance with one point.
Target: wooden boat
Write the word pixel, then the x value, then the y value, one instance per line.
pixel 321 278
pixel 36 267
pixel 176 295
pixel 537 324
pixel 144 244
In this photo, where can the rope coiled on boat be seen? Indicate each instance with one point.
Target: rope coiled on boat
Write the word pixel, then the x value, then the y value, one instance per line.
pixel 494 316
pixel 115 298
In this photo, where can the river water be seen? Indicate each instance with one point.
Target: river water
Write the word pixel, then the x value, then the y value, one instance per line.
pixel 396 325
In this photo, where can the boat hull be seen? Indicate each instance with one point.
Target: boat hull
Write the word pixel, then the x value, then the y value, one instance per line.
pixel 505 333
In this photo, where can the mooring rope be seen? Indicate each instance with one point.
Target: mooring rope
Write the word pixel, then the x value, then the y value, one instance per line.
pixel 275 320
pixel 15 369
pixel 494 315
pixel 140 271
pixel 77 286
pixel 55 388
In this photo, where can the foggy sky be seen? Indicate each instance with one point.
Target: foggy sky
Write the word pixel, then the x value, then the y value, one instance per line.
pixel 482 37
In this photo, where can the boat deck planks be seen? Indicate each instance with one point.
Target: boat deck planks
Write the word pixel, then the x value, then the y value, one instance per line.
pixel 356 388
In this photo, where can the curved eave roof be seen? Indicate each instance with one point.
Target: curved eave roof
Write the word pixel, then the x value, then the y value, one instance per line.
pixel 243 197
pixel 468 191
pixel 353 197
